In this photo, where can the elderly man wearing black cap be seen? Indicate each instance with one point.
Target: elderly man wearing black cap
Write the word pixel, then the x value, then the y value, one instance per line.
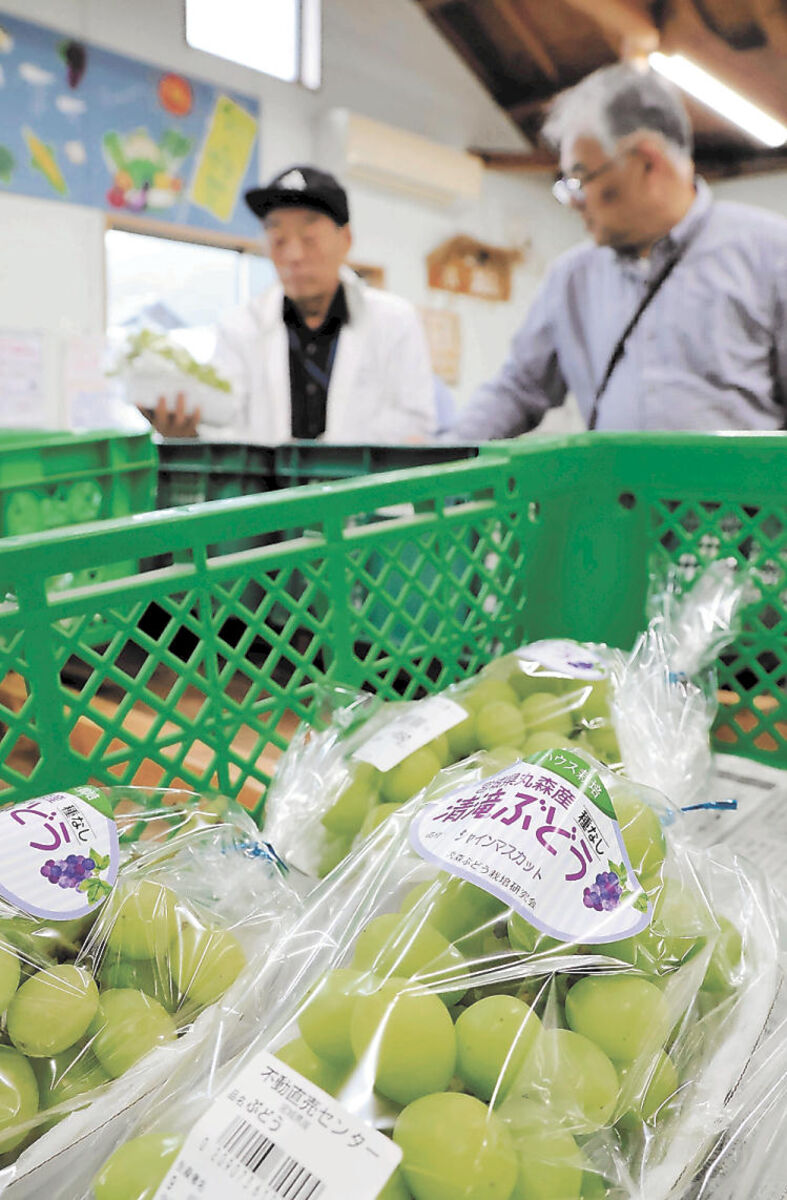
pixel 320 354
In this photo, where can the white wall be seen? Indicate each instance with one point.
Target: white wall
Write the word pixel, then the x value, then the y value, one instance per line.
pixel 767 191
pixel 382 59
pixel 51 264
pixel 512 210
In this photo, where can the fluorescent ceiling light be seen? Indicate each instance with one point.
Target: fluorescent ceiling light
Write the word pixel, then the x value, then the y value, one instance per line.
pixel 715 94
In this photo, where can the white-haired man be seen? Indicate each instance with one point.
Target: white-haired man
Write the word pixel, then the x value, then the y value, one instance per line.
pixel 674 316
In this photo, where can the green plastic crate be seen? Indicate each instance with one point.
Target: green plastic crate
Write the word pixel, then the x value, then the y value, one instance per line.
pixel 193 471
pixel 315 462
pixel 50 480
pixel 303 462
pixel 528 540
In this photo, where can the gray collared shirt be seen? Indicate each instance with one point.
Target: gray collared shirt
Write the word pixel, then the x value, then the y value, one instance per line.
pixel 709 352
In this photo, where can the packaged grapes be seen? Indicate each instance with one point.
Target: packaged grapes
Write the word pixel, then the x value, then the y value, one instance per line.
pixel 522 987
pixel 647 712
pixel 360 759
pixel 128 918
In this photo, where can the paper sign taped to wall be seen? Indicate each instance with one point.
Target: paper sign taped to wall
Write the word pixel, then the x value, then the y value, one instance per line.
pixel 22 380
pixel 86 388
pixel 444 337
pixel 223 159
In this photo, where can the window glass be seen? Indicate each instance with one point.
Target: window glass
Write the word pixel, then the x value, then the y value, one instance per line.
pixel 181 288
pixel 279 37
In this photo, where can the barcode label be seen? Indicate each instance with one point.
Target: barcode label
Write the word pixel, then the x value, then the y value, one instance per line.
pixel 284 1175
pixel 410 729
pixel 271 1134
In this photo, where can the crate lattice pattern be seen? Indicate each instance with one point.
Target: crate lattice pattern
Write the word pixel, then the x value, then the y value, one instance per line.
pixel 752 674
pixel 196 673
pixel 202 686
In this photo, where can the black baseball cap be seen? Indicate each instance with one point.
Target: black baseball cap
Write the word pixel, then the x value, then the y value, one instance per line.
pixel 301 187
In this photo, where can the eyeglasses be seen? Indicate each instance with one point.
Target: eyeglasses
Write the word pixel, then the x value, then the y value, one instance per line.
pixel 572 187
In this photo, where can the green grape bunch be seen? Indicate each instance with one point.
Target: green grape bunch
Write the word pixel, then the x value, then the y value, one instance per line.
pixel 84 1001
pixel 498 1096
pixel 148 341
pixel 510 715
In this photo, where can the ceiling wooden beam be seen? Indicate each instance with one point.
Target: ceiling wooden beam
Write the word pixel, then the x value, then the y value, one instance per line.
pixel 526 110
pixel 539 160
pixel 685 33
pixel 711 164
pixel 474 61
pixel 523 30
pixel 738 30
pixel 625 28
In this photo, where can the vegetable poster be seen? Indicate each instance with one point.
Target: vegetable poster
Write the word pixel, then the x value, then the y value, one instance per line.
pixel 81 124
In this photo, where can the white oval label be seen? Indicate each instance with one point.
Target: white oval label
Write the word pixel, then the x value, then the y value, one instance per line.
pixel 409 729
pixel 545 842
pixel 566 657
pixel 59 856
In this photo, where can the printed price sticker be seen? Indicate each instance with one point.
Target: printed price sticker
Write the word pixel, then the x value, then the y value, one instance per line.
pixel 544 840
pixel 410 730
pixel 59 856
pixel 566 657
pixel 272 1134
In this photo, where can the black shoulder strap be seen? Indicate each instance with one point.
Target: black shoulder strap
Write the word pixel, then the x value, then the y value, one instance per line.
pixel 620 345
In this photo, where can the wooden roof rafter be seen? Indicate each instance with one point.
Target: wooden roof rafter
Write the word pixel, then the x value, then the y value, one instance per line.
pixel 626 29
pixel 535 161
pixel 523 29
pixel 525 52
pixel 474 61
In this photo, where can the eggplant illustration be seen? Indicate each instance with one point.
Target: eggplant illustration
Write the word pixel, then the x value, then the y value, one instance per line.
pixel 74 55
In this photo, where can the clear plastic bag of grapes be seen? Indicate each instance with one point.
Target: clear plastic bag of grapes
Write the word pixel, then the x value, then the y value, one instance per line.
pixel 361 759
pixel 522 987
pixel 665 692
pixel 647 712
pixel 128 919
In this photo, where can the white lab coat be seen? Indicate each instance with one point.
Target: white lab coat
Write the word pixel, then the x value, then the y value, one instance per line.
pixel 381 388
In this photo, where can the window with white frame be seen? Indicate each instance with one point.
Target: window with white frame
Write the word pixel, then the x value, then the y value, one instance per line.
pixel 279 37
pixel 178 288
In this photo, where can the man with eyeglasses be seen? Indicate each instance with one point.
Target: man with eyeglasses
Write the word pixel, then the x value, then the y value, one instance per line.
pixel 674 315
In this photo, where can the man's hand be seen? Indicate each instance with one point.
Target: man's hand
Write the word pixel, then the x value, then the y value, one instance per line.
pixel 177 424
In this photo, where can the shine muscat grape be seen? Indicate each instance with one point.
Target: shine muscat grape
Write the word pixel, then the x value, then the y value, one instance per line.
pixel 136 1168
pixel 71 1031
pixel 10 975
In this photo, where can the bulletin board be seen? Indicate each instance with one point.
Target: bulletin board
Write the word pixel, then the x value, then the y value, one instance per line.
pixel 87 126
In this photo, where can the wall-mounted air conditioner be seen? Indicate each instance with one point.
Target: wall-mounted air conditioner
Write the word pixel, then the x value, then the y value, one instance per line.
pixel 358 148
